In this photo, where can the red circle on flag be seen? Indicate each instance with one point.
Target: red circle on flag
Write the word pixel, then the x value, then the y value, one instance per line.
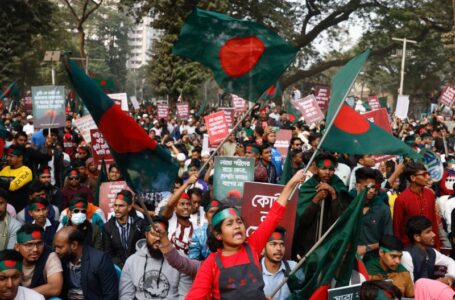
pixel 349 121
pixel 103 82
pixel 238 56
pixel 10 263
pixel 291 117
pixel 271 91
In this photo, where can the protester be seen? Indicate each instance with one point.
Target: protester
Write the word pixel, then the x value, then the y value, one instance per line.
pixel 38 210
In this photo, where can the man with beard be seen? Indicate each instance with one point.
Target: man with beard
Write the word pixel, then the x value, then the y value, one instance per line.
pixel 54 194
pixel 87 272
pixel 147 275
pixel 11 278
pixel 323 189
pixel 41 268
pixel 123 230
pixel 75 188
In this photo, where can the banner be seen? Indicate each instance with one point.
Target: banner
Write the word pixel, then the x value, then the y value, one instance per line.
pixel 217 128
pixel 309 108
pixel 373 102
pixel 120 99
pixel 108 191
pixel 183 110
pixel 84 125
pixel 257 201
pixel 379 117
pixel 229 113
pixel 229 175
pixel 134 102
pixel 28 104
pixel 350 292
pixel 402 108
pixel 100 147
pixel 48 106
pixel 322 94
pixel 447 96
pixel 162 111
pixel 239 104
pixel 283 137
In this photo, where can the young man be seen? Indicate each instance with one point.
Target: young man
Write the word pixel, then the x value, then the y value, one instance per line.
pixel 147 275
pixel 8 225
pixel 38 209
pixel 11 278
pixel 416 200
pixel 420 257
pixel 75 188
pixel 87 272
pixel 54 194
pixel 364 160
pixel 388 265
pixel 41 268
pixel 123 230
pixel 265 171
pixel 197 211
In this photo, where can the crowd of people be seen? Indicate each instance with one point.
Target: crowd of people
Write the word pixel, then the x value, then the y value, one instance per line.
pixel 57 243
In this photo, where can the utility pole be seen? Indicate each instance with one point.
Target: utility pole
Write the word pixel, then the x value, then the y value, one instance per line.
pixel 52 57
pixel 403 60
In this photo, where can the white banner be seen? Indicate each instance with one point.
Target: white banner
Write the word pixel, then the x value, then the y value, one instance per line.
pixel 402 108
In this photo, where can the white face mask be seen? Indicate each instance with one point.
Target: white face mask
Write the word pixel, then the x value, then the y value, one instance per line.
pixel 8 143
pixel 453 167
pixel 78 218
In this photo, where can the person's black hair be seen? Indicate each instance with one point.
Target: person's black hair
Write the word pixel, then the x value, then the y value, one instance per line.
pixel 114 165
pixel 212 242
pixel 69 118
pixel 415 225
pixel 391 242
pixel 161 219
pixel 265 146
pixel 10 255
pixel 259 130
pixel 390 166
pixel 365 173
pixel 369 289
pixel 294 153
pixel 196 191
pixel 30 228
pixel 313 136
pixel 194 163
pixel 280 229
pixel 76 235
pixel 78 163
pixel 20 133
pixel 178 180
pixel 293 139
pixel 36 187
pixel 3 194
pixel 412 169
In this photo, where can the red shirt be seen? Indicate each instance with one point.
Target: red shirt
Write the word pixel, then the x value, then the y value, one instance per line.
pixel 409 204
pixel 205 285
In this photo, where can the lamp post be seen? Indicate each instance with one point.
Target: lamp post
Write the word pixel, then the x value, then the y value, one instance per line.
pixel 403 60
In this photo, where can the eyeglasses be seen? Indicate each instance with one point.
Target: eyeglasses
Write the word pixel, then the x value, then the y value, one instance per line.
pixel 30 246
pixel 73 178
pixel 423 174
pixel 77 210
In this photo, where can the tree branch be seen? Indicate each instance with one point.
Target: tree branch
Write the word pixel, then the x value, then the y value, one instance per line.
pixel 312 11
pixel 73 12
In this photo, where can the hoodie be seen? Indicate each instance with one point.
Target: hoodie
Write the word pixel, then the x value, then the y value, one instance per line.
pixel 145 277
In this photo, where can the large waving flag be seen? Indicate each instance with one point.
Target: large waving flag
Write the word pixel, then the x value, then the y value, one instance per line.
pixel 144 164
pixel 11 91
pixel 246 58
pixel 350 132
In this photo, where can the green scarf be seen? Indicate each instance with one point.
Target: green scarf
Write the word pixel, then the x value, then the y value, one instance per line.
pixel 374 268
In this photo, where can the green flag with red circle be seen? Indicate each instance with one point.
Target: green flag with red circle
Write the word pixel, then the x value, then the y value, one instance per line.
pixel 246 58
pixel 350 132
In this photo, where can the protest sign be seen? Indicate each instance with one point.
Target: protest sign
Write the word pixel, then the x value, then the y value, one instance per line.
pixel 447 96
pixel 258 198
pixel 379 117
pixel 120 99
pixel 84 125
pixel 162 111
pixel 183 110
pixel 48 106
pixel 350 292
pixel 134 102
pixel 309 109
pixel 322 94
pixel 229 113
pixel 373 102
pixel 108 191
pixel 229 175
pixel 216 127
pixel 239 104
pixel 100 147
pixel 28 104
pixel 162 101
pixel 402 108
pixel 283 137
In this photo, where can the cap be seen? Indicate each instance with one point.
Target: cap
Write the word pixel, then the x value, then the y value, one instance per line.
pixel 145 116
pixel 181 157
pixel 29 117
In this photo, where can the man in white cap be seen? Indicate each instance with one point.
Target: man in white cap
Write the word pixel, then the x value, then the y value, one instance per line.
pixel 182 168
pixel 29 128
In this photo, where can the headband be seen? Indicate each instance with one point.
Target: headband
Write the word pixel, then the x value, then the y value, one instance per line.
pixel 9 264
pixel 387 249
pixel 24 237
pixel 451 160
pixel 252 149
pixel 44 171
pixel 124 197
pixel 37 205
pixel 185 196
pixel 277 236
pixel 74 173
pixel 325 164
pixel 79 204
pixel 224 214
pixel 213 203
pixel 161 224
pixel 15 152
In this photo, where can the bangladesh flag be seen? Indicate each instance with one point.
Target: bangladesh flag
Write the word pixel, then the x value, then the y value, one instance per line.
pixel 245 57
pixel 294 114
pixel 350 132
pixel 11 91
pixel 334 259
pixel 145 165
pixel 272 92
pixel 107 85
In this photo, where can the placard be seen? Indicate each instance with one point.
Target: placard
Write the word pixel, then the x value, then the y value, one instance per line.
pixel 108 191
pixel 322 94
pixel 183 110
pixel 84 125
pixel 100 147
pixel 309 109
pixel 229 175
pixel 28 104
pixel 162 111
pixel 283 138
pixel 239 104
pixel 217 128
pixel 229 113
pixel 48 103
pixel 120 99
pixel 257 201
pixel 350 292
pixel 447 96
pixel 402 108
pixel 373 102
pixel 134 102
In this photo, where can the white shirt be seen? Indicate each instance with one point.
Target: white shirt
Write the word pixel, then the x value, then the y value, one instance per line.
pixel 24 293
pixel 29 129
pixel 441 260
pixel 271 280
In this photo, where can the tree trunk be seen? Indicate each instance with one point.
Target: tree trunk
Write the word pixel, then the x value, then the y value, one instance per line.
pixel 82 44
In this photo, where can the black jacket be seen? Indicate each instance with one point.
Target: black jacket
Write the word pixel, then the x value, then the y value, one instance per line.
pixel 112 243
pixel 98 277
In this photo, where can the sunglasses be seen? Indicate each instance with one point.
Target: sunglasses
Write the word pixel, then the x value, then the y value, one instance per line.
pixel 73 178
pixel 77 210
